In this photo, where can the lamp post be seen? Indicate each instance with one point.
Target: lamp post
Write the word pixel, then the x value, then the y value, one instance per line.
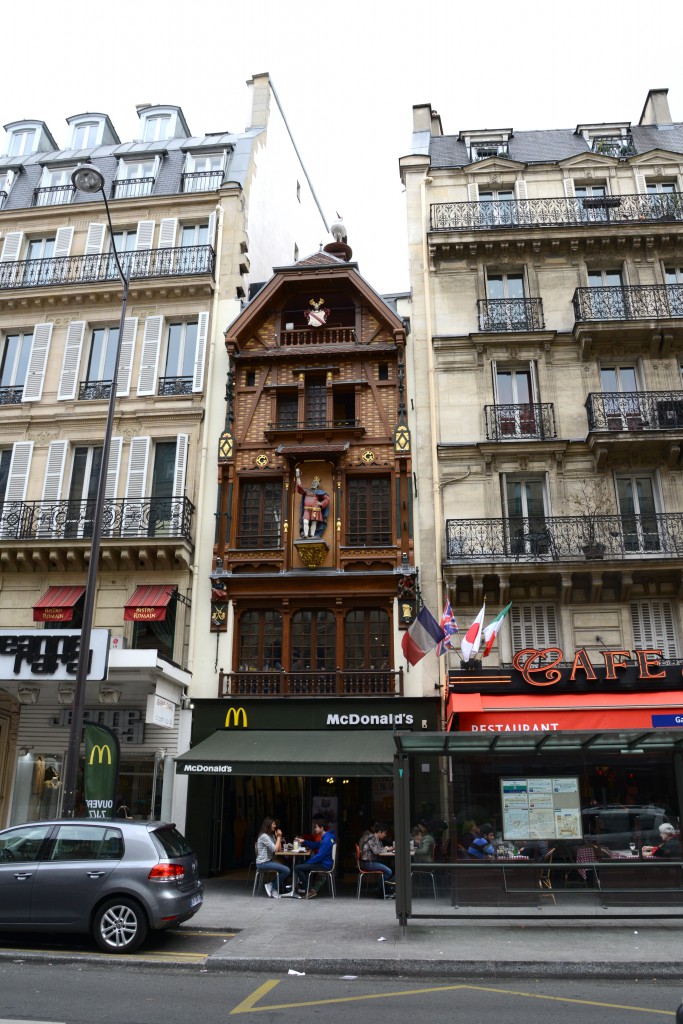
pixel 87 178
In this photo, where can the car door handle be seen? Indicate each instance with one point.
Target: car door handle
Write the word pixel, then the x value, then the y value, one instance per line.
pixel 95 874
pixel 23 876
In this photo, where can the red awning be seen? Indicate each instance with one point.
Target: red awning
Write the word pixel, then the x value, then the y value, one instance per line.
pixel 57 604
pixel 148 604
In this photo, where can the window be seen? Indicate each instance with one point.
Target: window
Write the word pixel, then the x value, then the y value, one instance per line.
pixel 515 412
pixel 607 301
pixel 22 142
pixel 100 372
pixel 506 307
pixel 383 371
pixel 497 207
pixel 194 234
pixel 85 135
pixel 314 645
pixel 287 410
pixel 366 640
pixel 5 461
pixel 484 150
pixel 55 187
pixel 638 510
pixel 590 202
pixel 316 401
pixel 525 508
pixel 673 277
pixel 134 178
pixel 23 844
pixel 203 173
pixel 157 635
pixel 260 514
pixel 157 128
pixel 181 354
pixel 654 627
pixel 123 242
pixel 368 511
pixel 534 625
pixel 85 474
pixel 15 359
pixel 619 146
pixel 250 379
pixel 621 404
pixel 37 270
pixel 260 641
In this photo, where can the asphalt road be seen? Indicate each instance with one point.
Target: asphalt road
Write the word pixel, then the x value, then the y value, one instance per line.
pixel 119 992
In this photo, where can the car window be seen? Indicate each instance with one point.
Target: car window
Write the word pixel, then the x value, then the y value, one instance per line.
pixel 172 843
pixel 23 843
pixel 87 842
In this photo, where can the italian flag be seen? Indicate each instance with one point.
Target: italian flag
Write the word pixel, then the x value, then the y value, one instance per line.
pixel 492 630
pixel 472 638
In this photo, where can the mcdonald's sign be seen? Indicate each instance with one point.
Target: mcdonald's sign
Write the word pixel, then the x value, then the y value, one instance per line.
pixel 101 770
pixel 100 749
pixel 235 718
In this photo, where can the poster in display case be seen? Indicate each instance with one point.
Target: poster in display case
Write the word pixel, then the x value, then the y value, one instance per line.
pixel 541 808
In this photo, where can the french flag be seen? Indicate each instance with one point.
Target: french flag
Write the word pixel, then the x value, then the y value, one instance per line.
pixel 422 637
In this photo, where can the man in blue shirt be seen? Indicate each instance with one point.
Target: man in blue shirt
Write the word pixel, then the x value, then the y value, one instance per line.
pixel 482 847
pixel 321 859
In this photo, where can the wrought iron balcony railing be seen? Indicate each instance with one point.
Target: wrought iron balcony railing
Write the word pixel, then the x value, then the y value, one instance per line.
pixel 131 188
pixel 633 411
pixel 201 181
pixel 510 422
pixel 53 195
pixel 556 211
pixel 322 683
pixel 510 314
pixel 93 390
pixel 147 263
pixel 175 386
pixel 478 153
pixel 557 538
pixel 318 336
pixel 11 396
pixel 628 302
pixel 73 520
pixel 619 146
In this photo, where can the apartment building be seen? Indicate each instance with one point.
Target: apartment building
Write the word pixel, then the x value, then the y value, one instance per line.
pixel 192 224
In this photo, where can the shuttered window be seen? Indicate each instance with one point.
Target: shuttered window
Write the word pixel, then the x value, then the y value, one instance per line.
pixel 534 625
pixel 654 627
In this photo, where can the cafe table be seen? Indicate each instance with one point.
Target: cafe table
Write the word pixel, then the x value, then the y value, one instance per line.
pixel 292 855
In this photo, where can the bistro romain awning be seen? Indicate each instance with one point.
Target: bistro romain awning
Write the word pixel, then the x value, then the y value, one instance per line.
pixel 295 752
pixel 57 604
pixel 148 604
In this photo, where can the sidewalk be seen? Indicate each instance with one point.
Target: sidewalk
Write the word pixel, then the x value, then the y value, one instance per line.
pixel 350 936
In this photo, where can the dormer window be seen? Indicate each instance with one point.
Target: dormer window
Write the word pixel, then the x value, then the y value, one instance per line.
pixel 203 172
pixel 22 142
pixel 86 135
pixel 157 128
pixel 619 146
pixel 485 150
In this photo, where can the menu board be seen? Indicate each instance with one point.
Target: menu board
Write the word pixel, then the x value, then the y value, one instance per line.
pixel 541 808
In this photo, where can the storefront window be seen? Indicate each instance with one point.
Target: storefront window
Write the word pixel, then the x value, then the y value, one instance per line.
pixel 37 787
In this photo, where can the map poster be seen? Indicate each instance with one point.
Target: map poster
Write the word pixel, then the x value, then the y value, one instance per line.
pixel 545 807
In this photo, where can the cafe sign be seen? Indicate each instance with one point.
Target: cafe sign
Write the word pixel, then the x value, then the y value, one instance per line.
pixel 50 654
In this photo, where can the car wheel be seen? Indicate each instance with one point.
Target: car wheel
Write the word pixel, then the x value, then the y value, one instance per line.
pixel 120 926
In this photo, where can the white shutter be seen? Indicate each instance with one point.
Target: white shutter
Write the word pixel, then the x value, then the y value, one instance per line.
pixel 72 360
pixel 494 374
pixel 11 247
pixel 17 482
pixel 35 376
pixel 95 240
pixel 534 381
pixel 569 187
pixel 211 234
pixel 200 352
pixel 149 359
pixel 133 519
pixel 180 466
pixel 167 232
pixel 653 626
pixel 113 467
pixel 52 487
pixel 533 625
pixel 145 235
pixel 641 186
pixel 520 189
pixel 63 239
pixel 130 327
pixel 473 192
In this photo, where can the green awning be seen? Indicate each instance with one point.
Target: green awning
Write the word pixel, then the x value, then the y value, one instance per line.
pixel 295 752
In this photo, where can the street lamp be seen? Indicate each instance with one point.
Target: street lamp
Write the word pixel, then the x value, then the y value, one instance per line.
pixel 87 178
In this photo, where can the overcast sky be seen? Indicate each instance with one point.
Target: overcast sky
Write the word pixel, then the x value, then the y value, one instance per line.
pixel 347 75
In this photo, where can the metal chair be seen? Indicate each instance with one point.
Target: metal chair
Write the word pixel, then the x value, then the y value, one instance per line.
pixel 365 873
pixel 327 873
pixel 423 871
pixel 545 882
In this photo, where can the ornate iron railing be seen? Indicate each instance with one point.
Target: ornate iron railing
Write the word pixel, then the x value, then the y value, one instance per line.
pixel 323 683
pixel 175 386
pixel 635 410
pixel 484 152
pixel 507 422
pixel 318 336
pixel 11 396
pixel 619 146
pixel 557 211
pixel 201 181
pixel 629 302
pixel 131 188
pixel 93 390
pixel 147 263
pixel 554 538
pixel 53 195
pixel 62 520
pixel 510 314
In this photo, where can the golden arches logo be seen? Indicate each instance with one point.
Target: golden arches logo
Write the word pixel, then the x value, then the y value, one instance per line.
pixel 236 717
pixel 100 750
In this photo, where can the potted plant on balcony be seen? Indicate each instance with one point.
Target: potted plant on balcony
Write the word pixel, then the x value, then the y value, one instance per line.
pixel 592 503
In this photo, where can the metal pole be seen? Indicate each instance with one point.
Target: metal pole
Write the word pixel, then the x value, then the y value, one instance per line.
pixel 76 728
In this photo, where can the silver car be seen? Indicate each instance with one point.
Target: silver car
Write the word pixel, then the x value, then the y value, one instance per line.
pixel 115 880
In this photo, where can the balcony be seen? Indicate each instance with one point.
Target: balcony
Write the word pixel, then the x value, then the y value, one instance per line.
pixel 73 520
pixel 201 181
pixel 628 302
pixel 11 396
pixel 54 195
pixel 175 386
pixel 635 411
pixel 619 146
pixel 510 315
pixel 84 270
pixel 564 538
pixel 520 422
pixel 94 390
pixel 301 429
pixel 131 188
pixel 556 212
pixel 333 683
pixel 317 336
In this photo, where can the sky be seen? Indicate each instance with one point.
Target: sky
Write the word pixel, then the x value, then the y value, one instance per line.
pixel 347 76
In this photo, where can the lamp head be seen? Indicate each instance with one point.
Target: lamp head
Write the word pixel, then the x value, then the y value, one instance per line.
pixel 88 178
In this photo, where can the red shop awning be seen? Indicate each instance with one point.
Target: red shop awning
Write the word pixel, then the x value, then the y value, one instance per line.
pixel 585 712
pixel 148 604
pixel 57 604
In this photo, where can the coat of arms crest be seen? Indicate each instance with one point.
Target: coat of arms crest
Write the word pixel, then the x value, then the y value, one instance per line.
pixel 317 316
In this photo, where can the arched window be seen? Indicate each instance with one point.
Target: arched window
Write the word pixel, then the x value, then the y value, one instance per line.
pixel 367 639
pixel 260 641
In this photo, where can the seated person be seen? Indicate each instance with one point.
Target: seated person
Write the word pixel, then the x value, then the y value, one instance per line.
pixel 320 860
pixel 670 847
pixel 424 845
pixel 371 849
pixel 268 844
pixel 482 847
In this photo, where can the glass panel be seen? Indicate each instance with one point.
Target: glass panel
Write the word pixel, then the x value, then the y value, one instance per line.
pixel 23 844
pixel 164 465
pixel 316 402
pixel 260 641
pixel 495 286
pixel 175 332
pixel 504 387
pixel 5 459
pixel 189 350
pixel 260 514
pixel 78 842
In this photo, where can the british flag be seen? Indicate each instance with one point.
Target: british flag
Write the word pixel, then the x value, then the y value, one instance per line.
pixel 449 626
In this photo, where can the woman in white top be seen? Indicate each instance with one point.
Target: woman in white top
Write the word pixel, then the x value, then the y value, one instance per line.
pixel 268 844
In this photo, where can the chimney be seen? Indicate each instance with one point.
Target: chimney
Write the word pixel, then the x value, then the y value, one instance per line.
pixel 426 120
pixel 656 109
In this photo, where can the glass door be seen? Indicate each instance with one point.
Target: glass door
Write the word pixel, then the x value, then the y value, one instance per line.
pixel 515 414
pixel 621 402
pixel 638 510
pixel 527 528
pixel 85 475
pixel 162 487
pixel 608 302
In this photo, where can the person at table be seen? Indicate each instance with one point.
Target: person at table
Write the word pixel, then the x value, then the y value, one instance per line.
pixel 482 848
pixel 372 847
pixel 424 843
pixel 268 845
pixel 670 846
pixel 320 859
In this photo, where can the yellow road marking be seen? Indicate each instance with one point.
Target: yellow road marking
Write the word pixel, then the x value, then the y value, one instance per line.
pixel 248 1005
